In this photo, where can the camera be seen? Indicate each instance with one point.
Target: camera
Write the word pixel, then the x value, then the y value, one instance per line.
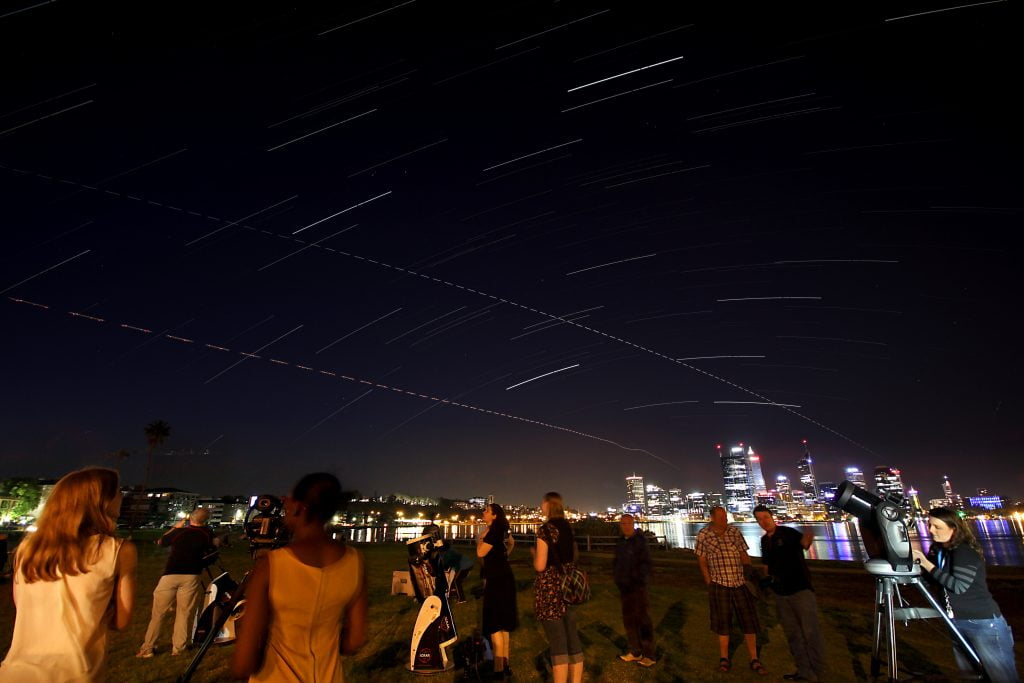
pixel 882 526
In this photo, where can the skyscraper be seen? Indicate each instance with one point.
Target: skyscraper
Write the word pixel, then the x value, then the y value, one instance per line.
pixel 782 486
pixel 888 480
pixel 636 500
pixel 805 466
pixel 757 483
pixel 736 478
pixel 854 475
pixel 657 500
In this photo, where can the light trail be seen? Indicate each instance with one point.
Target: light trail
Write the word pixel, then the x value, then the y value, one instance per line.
pixel 353 401
pixel 25 9
pixel 46 101
pixel 624 73
pixel 378 385
pixel 525 307
pixel 354 206
pixel 944 9
pixel 666 315
pixel 368 16
pixel 751 106
pixel 303 137
pixel 738 71
pixel 715 357
pixel 769 117
pixel 654 405
pixel 632 42
pixel 555 28
pixel 612 263
pixel 760 403
pixel 359 329
pixel 308 246
pixel 483 66
pixel 837 260
pixel 247 356
pixel 531 154
pixel 400 156
pixel 658 175
pixel 565 315
pixel 419 327
pixel 770 298
pixel 612 97
pixel 47 270
pixel 546 374
pixel 48 116
pixel 838 339
pixel 251 215
pixel 548 324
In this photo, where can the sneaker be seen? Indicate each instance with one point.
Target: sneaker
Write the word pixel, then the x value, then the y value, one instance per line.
pixel 144 654
pixel 646 662
pixel 630 657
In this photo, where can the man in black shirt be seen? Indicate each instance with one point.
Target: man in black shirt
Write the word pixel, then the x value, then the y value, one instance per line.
pixel 632 566
pixel 191 544
pixel 782 549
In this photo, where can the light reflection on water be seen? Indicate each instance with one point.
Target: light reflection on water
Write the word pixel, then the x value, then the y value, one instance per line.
pixel 1001 539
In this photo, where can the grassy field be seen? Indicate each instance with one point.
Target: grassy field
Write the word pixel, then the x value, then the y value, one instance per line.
pixel 687 650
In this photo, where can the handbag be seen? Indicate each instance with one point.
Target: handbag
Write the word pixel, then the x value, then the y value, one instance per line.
pixel 574 586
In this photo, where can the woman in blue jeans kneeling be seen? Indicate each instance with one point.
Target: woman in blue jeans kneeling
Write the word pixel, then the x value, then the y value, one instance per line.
pixel 956 564
pixel 556 547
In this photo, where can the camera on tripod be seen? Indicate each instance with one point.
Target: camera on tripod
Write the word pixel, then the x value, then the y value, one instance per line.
pixel 264 524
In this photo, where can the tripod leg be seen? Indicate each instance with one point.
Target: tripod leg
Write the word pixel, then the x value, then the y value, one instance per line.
pixel 876 658
pixel 890 623
pixel 959 637
pixel 214 630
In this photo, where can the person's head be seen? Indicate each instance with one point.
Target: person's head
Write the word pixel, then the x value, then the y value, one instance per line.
pixel 718 517
pixel 627 524
pixel 431 529
pixel 552 505
pixel 81 505
pixel 494 515
pixel 199 517
pixel 949 529
pixel 764 517
pixel 315 499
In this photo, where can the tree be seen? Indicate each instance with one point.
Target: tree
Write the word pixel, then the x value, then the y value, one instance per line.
pixel 156 432
pixel 26 491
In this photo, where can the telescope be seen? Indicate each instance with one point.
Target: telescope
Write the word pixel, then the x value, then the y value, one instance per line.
pixel 881 525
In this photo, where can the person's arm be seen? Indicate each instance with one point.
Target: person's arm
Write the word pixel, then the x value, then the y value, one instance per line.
pixel 702 562
pixel 510 544
pixel 965 569
pixel 124 586
pixel 807 539
pixel 171 533
pixel 643 559
pixel 353 631
pixel 252 629
pixel 540 555
pixel 482 546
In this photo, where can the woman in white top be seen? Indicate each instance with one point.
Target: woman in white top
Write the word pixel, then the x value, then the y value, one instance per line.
pixel 73 579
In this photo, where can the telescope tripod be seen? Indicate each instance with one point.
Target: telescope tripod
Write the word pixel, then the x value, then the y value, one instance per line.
pixel 889 608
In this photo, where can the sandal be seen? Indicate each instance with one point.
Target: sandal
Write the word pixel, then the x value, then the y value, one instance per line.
pixel 758 667
pixel 724 665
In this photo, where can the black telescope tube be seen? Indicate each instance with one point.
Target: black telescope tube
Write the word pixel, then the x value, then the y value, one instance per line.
pixel 856 501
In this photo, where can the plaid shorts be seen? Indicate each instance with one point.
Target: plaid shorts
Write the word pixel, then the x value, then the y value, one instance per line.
pixel 724 600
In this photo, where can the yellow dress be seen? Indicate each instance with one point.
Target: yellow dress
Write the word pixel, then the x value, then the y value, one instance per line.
pixel 60 630
pixel 307 608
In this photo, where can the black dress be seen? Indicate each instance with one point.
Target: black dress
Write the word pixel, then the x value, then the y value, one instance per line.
pixel 500 613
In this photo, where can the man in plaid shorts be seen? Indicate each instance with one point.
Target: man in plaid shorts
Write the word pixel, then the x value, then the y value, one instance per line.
pixel 722 554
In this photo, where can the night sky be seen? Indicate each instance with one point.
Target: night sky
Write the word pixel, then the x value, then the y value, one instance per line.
pixel 393 203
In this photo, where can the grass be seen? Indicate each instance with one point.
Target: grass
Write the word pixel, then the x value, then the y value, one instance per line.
pixel 687 650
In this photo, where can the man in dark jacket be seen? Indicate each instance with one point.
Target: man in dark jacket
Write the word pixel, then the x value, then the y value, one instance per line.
pixel 631 568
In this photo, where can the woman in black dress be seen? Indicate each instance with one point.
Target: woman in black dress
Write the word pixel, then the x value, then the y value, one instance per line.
pixel 500 614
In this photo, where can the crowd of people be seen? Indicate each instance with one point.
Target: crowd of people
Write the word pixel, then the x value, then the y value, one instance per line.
pixel 307 605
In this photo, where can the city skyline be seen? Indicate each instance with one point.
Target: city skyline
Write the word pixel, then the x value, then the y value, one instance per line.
pixel 510 247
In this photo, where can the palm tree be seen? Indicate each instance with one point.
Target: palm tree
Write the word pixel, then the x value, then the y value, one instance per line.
pixel 156 432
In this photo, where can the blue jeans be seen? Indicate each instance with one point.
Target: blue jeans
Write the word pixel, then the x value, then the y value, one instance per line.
pixel 993 641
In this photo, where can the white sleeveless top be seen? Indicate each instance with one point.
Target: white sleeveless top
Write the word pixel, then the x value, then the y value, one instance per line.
pixel 60 631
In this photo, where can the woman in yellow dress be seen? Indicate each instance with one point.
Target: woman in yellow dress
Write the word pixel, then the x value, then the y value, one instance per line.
pixel 306 603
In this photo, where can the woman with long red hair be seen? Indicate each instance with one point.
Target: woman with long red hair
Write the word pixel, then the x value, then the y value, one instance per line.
pixel 73 580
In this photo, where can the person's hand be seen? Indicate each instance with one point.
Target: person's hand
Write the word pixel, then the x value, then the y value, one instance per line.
pixel 179 524
pixel 922 559
pixel 807 538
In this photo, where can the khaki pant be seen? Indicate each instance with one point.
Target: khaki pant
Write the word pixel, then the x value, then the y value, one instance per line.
pixel 184 589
